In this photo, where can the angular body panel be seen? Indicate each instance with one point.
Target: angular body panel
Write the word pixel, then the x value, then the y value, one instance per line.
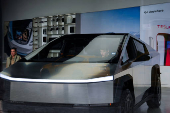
pixel 93 93
pixel 90 69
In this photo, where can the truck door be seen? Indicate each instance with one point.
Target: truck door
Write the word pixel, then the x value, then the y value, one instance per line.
pixel 138 71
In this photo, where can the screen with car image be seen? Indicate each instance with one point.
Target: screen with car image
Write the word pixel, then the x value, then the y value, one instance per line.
pixel 18 34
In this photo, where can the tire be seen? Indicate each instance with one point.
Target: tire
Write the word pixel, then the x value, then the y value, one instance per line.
pixel 127 102
pixel 155 101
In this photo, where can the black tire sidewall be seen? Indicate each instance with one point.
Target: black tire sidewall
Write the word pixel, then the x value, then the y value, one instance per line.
pixel 126 94
pixel 155 101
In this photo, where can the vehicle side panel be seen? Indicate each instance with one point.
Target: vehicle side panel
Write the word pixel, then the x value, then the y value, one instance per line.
pixel 92 93
pixel 140 71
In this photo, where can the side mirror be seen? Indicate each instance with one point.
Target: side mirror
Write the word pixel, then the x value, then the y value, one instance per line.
pixel 144 57
pixel 150 56
pixel 130 61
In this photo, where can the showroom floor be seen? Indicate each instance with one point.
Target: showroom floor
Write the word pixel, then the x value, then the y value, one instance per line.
pixel 164 108
pixel 165 104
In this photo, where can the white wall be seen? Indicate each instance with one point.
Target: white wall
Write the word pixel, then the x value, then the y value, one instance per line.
pixel 26 9
pixel 165 76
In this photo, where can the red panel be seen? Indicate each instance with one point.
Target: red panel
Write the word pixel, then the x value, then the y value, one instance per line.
pixel 167 57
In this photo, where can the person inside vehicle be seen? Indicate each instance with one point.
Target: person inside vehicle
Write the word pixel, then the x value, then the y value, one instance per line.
pixel 13 58
pixel 104 52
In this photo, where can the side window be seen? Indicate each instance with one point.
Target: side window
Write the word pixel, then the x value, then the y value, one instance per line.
pixel 129 52
pixel 125 57
pixel 140 50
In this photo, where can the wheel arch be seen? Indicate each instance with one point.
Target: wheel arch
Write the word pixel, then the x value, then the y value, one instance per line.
pixel 122 83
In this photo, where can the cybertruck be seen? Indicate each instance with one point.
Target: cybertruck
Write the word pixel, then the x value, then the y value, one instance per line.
pixel 85 73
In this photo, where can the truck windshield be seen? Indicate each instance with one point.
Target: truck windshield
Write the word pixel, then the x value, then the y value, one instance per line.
pixel 79 49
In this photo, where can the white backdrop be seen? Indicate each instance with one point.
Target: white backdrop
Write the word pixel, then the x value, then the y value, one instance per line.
pixel 150 17
pixel 155 19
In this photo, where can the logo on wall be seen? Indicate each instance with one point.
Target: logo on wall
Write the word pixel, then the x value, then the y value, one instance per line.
pixel 163 26
pixel 154 11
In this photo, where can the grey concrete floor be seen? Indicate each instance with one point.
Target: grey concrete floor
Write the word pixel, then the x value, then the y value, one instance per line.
pixel 165 104
pixel 164 108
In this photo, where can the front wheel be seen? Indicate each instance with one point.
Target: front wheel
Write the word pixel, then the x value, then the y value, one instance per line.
pixel 155 101
pixel 126 102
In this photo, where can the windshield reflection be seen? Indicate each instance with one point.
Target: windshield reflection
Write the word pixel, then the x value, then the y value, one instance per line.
pixel 98 48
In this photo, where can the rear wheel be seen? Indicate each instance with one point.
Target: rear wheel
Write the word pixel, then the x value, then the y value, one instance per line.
pixel 155 101
pixel 127 102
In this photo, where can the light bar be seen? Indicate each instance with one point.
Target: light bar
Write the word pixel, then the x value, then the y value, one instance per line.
pixel 101 79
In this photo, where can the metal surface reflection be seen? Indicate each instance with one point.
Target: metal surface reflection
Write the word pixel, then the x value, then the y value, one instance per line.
pixel 86 70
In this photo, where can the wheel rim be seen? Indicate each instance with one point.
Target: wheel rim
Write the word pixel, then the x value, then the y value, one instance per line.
pixel 128 103
pixel 159 90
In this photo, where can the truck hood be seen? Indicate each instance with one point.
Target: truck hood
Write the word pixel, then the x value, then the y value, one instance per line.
pixel 59 71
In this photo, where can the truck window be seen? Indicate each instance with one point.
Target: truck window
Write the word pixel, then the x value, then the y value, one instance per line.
pixel 130 53
pixel 140 50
